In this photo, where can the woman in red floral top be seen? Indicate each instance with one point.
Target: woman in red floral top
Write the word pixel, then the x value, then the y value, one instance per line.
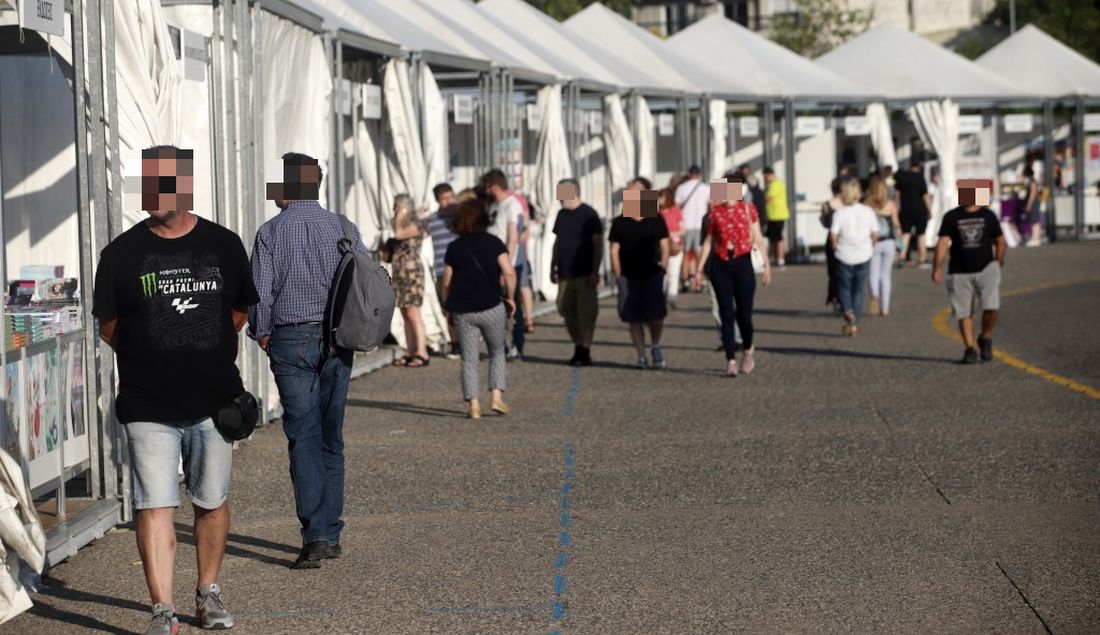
pixel 731 232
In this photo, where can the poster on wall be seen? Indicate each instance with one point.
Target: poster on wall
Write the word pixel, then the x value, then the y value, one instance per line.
pixel 72 404
pixel 13 402
pixel 43 432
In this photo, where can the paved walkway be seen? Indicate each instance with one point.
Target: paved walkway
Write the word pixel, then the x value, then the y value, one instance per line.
pixel 848 485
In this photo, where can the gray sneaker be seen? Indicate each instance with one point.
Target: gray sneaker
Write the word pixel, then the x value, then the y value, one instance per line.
pixel 210 610
pixel 658 357
pixel 164 621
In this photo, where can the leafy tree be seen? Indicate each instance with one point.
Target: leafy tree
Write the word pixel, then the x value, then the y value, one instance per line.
pixel 562 9
pixel 1076 23
pixel 817 26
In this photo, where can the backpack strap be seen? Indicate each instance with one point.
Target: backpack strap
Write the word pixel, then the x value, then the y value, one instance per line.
pixel 347 243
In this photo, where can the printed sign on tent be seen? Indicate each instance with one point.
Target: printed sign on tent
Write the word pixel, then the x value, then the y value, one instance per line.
pixel 1019 123
pixel 534 118
pixel 666 124
pixel 463 108
pixel 595 123
pixel 809 126
pixel 47 16
pixel 343 96
pixel 970 124
pixel 371 97
pixel 194 56
pixel 857 126
pixel 1092 122
pixel 750 126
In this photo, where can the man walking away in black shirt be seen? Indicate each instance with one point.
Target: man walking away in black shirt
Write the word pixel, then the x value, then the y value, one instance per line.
pixel 915 207
pixel 171 293
pixel 575 268
pixel 977 246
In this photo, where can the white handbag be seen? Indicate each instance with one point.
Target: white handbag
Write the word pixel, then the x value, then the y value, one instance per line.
pixel 757 260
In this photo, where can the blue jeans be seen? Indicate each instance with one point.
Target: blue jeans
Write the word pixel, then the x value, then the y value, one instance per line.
pixel 850 282
pixel 313 419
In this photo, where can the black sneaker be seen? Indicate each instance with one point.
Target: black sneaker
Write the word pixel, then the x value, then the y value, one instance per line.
pixel 575 360
pixel 986 346
pixel 312 554
pixel 970 356
pixel 586 357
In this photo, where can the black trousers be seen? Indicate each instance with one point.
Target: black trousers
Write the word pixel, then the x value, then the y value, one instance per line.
pixel 734 285
pixel 831 265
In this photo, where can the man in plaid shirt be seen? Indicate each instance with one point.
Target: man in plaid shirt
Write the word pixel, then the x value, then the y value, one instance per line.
pixel 293 264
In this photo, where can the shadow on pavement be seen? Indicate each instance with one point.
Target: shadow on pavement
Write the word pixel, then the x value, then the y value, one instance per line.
pixel 787 350
pixel 184 535
pixel 405 407
pixel 602 363
pixel 56 588
pixel 667 347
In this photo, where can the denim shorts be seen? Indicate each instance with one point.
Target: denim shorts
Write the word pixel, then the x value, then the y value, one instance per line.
pixel 155 453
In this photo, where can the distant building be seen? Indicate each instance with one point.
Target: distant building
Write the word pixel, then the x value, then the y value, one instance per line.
pixel 938 20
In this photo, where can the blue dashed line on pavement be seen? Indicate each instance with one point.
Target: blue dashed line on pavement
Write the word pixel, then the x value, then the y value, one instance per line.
pixel 565 520
pixel 571 398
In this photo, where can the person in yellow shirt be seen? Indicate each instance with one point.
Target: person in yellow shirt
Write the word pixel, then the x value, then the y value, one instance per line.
pixel 777 212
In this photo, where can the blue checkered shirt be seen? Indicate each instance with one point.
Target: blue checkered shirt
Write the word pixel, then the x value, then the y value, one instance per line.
pixel 293 263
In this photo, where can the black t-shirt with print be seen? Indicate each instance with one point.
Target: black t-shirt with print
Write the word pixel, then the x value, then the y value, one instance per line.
pixel 475 273
pixel 173 298
pixel 972 235
pixel 639 245
pixel 574 229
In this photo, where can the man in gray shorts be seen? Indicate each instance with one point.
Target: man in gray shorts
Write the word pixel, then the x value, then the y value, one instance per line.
pixel 972 234
pixel 171 293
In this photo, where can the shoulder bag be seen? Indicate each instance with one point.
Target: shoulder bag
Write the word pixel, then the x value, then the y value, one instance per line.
pixel 757 257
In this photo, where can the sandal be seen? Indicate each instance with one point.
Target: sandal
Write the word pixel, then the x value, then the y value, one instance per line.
pixel 403 361
pixel 417 361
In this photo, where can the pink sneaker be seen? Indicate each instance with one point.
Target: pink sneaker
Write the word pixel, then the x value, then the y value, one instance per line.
pixel 748 361
pixel 731 368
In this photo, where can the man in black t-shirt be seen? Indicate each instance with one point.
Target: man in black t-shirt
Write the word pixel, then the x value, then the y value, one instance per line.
pixel 977 246
pixel 171 294
pixel 639 258
pixel 914 207
pixel 575 267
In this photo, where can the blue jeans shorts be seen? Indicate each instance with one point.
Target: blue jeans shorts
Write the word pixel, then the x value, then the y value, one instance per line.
pixel 155 453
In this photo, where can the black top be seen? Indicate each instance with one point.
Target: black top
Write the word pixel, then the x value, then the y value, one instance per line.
pixel 911 188
pixel 639 245
pixel 972 237
pixel 474 289
pixel 173 298
pixel 574 229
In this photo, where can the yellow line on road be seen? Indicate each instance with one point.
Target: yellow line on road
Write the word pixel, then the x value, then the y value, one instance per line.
pixel 941 325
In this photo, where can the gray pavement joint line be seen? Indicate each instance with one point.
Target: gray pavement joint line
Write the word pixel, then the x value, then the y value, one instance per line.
pixel 914 459
pixel 1031 606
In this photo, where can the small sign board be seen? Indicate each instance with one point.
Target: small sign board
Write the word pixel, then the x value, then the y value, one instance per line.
pixel 857 126
pixel 1092 122
pixel 194 56
pixel 1019 123
pixel 970 124
pixel 45 16
pixel 534 118
pixel 666 124
pixel 809 126
pixel 371 97
pixel 463 108
pixel 595 123
pixel 749 126
pixel 343 97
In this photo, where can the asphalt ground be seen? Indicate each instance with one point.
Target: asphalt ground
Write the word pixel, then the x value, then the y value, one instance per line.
pixel 848 485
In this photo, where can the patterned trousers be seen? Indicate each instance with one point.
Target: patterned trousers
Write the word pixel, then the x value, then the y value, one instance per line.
pixel 491 325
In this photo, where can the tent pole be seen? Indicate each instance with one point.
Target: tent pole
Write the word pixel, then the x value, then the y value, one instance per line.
pixel 252 357
pixel 1079 185
pixel 767 118
pixel 217 119
pixel 341 162
pixel 1048 168
pixel 789 150
pixel 257 169
pixel 632 121
pixel 232 147
pixel 476 125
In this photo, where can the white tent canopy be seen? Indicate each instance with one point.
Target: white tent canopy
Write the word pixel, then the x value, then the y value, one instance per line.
pixel 770 69
pixel 904 66
pixel 545 37
pixel 1051 68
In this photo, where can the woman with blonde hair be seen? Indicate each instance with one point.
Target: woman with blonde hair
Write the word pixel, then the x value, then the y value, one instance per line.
pixel 853 235
pixel 408 279
pixel 886 249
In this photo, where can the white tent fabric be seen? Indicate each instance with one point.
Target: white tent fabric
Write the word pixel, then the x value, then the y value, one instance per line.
pixel 618 141
pixel 436 153
pixel 543 36
pixel 719 131
pixel 904 65
pixel 551 165
pixel 404 130
pixel 646 134
pixel 938 124
pixel 147 81
pixel 297 107
pixel 769 68
pixel 410 24
pixel 1052 69
pixel 882 136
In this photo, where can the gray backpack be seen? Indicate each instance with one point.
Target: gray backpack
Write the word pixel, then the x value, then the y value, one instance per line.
pixel 361 299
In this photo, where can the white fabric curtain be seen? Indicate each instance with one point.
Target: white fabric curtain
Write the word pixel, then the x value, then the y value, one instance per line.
pixel 551 165
pixel 436 152
pixel 882 137
pixel 147 82
pixel 646 134
pixel 938 124
pixel 618 141
pixel 719 130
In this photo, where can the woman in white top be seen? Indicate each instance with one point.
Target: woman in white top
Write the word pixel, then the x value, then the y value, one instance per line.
pixel 853 236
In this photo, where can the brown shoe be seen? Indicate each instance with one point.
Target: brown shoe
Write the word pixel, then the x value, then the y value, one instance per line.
pixel 500 407
pixel 475 411
pixel 874 307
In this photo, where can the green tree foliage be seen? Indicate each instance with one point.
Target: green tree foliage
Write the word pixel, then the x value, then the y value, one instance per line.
pixel 562 9
pixel 819 25
pixel 1076 23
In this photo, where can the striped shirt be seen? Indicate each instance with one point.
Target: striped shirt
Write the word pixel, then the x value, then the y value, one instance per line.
pixel 293 262
pixel 440 230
